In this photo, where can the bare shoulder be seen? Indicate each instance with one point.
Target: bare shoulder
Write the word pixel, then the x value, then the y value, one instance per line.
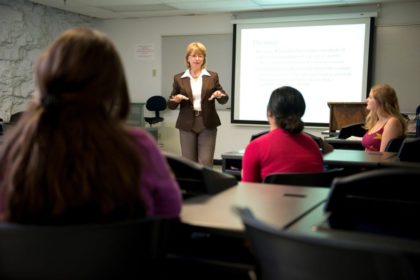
pixel 393 124
pixel 393 121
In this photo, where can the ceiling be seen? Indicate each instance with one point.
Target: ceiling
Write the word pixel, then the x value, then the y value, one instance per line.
pixel 113 9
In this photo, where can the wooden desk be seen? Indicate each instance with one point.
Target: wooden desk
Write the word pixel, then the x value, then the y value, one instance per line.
pixel 277 205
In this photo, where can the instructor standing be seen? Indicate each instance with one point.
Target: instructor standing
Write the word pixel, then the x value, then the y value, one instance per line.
pixel 196 90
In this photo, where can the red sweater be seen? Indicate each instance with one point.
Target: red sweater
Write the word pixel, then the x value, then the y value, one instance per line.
pixel 279 151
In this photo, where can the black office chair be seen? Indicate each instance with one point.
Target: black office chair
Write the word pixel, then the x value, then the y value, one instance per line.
pixel 356 129
pixel 196 179
pixel 156 103
pixel 394 144
pixel 410 150
pixel 382 201
pixel 286 255
pixel 124 250
pixel 256 135
pixel 324 146
pixel 307 179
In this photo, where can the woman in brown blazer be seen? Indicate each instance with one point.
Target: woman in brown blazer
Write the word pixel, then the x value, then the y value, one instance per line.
pixel 196 90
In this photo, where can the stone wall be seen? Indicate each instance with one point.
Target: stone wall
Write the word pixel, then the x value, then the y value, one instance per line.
pixel 25 30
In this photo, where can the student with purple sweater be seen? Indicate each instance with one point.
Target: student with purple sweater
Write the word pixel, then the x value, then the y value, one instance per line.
pixel 70 159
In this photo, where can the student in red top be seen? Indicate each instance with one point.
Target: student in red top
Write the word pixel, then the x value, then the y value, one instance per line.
pixel 285 148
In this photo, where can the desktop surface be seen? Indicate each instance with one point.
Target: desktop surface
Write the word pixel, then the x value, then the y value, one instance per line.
pixel 278 205
pixel 358 158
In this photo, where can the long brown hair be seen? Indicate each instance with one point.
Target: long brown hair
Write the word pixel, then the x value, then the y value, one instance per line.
pixel 70 159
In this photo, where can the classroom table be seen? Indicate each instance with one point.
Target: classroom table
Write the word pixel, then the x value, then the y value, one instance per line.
pixel 347 158
pixel 211 240
pixel 278 205
pixel 357 160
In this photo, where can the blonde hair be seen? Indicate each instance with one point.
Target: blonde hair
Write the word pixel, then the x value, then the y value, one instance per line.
pixel 387 100
pixel 196 48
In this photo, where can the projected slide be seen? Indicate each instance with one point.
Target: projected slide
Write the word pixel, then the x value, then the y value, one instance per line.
pixel 327 62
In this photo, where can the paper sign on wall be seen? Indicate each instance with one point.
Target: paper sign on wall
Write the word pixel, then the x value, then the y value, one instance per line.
pixel 145 52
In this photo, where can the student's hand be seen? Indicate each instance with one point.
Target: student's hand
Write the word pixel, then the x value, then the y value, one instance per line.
pixel 178 98
pixel 217 94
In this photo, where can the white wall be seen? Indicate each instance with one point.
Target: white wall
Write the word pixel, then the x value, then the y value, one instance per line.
pixel 127 34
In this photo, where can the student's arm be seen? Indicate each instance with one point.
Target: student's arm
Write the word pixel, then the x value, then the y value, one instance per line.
pixel 392 129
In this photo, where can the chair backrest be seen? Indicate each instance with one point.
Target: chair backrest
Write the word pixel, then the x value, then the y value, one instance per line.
pixel 307 179
pixel 382 201
pixel 286 255
pixel 124 250
pixel 156 103
pixel 324 146
pixel 196 179
pixel 355 129
pixel 394 144
pixel 256 135
pixel 410 150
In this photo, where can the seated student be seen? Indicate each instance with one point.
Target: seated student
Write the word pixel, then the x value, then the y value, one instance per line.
pixel 384 121
pixel 70 158
pixel 285 148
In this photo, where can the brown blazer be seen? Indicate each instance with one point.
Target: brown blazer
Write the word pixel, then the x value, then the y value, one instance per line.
pixel 208 108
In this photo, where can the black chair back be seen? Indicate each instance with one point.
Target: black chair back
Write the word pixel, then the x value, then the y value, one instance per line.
pixel 324 146
pixel 355 129
pixel 156 104
pixel 382 201
pixel 125 250
pixel 288 255
pixel 196 179
pixel 256 135
pixel 307 179
pixel 410 150
pixel 394 144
